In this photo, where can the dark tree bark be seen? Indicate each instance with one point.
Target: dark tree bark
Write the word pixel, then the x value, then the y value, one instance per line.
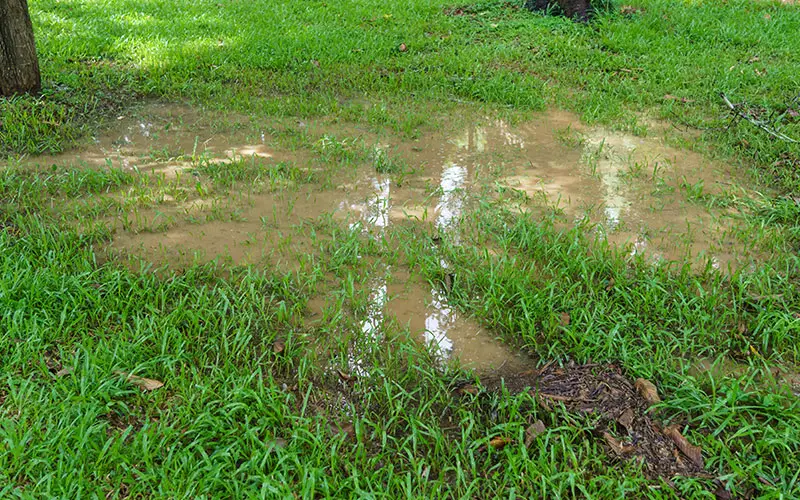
pixel 580 10
pixel 19 67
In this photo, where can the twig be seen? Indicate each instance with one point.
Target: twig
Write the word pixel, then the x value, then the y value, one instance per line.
pixel 738 114
pixel 557 397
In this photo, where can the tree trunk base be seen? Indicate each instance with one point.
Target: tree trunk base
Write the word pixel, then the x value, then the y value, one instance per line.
pixel 580 10
pixel 19 67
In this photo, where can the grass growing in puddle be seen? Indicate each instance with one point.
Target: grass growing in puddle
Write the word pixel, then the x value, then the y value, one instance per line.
pixel 264 398
pixel 261 398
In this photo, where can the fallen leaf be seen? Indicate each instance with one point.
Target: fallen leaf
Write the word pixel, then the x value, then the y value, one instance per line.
pixel 670 97
pixel 403 47
pixel 278 346
pixel 543 402
pixel 348 430
pixel 449 280
pixel 722 493
pixel 346 377
pixel 628 10
pixel 467 389
pixel 498 443
pixel 694 453
pixel 616 446
pixel 647 390
pixel 564 319
pixel 147 384
pixel 626 419
pixel 534 430
pixel 315 63
pixel 64 372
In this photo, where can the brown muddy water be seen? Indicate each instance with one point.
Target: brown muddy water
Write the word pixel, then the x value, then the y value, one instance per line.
pixel 641 193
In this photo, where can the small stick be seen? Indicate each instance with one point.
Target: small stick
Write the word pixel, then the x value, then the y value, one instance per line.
pixel 739 114
pixel 556 397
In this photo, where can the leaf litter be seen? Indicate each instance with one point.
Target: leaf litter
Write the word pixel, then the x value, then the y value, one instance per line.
pixel 146 384
pixel 627 423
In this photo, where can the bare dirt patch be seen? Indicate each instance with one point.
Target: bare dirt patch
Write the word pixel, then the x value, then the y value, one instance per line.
pixel 283 182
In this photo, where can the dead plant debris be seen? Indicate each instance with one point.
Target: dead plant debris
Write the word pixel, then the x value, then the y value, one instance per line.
pixel 146 384
pixel 626 426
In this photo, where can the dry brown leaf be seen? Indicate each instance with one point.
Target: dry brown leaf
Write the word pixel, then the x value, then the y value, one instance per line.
pixel 498 443
pixel 647 390
pixel 403 47
pixel 629 10
pixel 534 430
pixel 64 372
pixel 722 493
pixel 147 384
pixel 467 389
pixel 616 446
pixel 565 319
pixel 670 97
pixel 694 453
pixel 626 419
pixel 278 346
pixel 346 377
pixel 348 430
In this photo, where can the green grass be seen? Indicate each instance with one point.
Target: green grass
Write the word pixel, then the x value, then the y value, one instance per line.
pixel 98 56
pixel 238 418
pixel 253 403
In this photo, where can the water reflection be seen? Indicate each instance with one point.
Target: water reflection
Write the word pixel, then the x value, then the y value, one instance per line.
pixel 441 317
pixel 374 220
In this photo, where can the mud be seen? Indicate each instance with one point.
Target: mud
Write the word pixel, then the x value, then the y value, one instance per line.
pixel 641 194
pixel 423 309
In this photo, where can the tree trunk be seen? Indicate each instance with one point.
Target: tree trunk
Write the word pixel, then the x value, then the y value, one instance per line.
pixel 19 68
pixel 580 10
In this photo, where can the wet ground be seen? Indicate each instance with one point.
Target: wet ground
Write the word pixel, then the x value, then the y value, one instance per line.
pixel 642 194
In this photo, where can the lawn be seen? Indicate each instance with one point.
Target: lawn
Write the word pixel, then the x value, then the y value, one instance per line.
pixel 131 373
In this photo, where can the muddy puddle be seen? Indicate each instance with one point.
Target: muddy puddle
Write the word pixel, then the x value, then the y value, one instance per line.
pixel 640 194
